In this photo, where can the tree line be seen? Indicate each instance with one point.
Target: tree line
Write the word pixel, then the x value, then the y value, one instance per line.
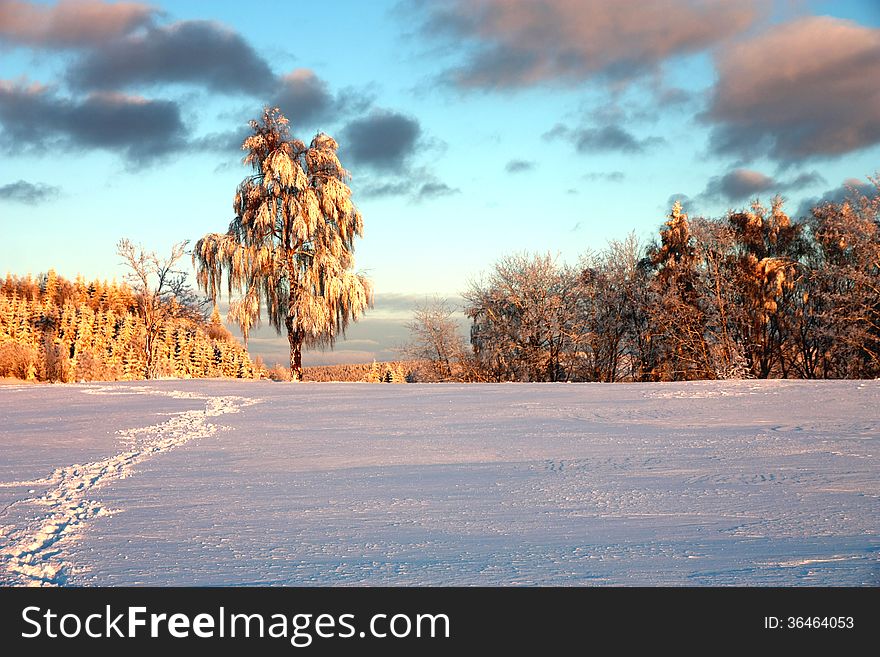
pixel 752 294
pixel 54 329
pixel 375 372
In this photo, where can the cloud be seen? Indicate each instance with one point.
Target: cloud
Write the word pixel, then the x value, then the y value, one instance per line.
pixel 608 137
pixel 383 140
pixel 124 48
pixel 674 97
pixel 28 193
pixel 70 23
pixel 418 185
pixel 686 202
pixel 738 184
pixel 744 184
pixel 805 89
pixel 435 189
pixel 517 44
pixel 200 52
pixel 852 188
pixel 519 166
pixel 227 142
pixel 34 118
pixel 385 188
pixel 304 96
pixel 606 176
pixel 305 99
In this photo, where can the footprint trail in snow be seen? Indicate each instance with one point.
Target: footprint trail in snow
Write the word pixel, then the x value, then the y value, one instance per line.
pixel 32 555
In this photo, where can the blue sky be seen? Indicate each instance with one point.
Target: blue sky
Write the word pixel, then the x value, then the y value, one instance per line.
pixel 472 129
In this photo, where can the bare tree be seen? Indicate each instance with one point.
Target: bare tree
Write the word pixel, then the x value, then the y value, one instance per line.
pixel 435 340
pixel 848 284
pixel 720 297
pixel 159 290
pixel 611 313
pixel 522 318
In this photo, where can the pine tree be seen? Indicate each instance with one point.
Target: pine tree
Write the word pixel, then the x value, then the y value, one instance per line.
pixel 50 293
pixel 373 374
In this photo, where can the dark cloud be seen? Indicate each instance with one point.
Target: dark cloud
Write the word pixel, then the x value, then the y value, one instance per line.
pixel 612 138
pixel 606 176
pixel 304 97
pixel 516 44
pixel 70 23
pixel 386 188
pixel 416 190
pixel 805 89
pixel 686 202
pixel 519 166
pixel 228 142
pixel 28 193
pixel 603 138
pixel 200 52
pixel 852 188
pixel 653 101
pixel 352 100
pixel 417 185
pixel 744 184
pixel 124 48
pixel 435 189
pixel 674 97
pixel 33 118
pixel 383 140
pixel 804 180
pixel 738 185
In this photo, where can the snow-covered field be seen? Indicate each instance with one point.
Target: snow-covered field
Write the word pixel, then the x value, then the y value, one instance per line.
pixel 218 482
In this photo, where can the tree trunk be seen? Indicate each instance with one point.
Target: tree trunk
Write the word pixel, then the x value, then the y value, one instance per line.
pixel 295 338
pixel 149 352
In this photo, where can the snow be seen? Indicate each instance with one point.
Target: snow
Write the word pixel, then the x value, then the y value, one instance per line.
pixel 258 483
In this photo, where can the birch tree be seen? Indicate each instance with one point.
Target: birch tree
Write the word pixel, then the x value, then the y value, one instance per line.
pixel 291 243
